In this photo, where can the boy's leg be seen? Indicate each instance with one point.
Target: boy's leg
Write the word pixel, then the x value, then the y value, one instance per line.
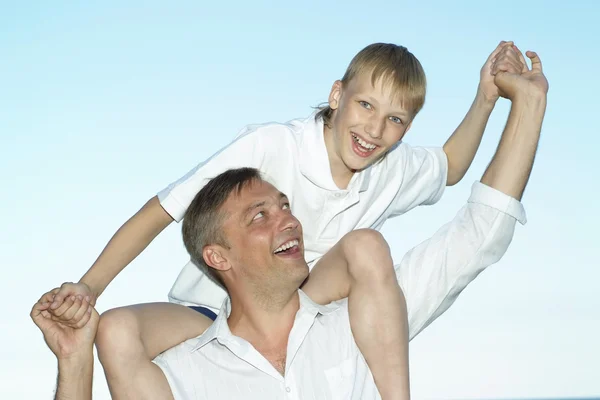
pixel 129 338
pixel 360 267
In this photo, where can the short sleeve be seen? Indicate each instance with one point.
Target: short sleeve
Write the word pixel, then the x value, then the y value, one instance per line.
pixel 246 150
pixel 424 173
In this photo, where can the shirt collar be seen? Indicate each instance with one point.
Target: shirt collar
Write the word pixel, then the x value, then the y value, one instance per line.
pixel 219 330
pixel 314 160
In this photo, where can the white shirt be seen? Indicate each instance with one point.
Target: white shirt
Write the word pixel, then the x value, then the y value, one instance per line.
pixel 327 364
pixel 294 158
pixel 323 361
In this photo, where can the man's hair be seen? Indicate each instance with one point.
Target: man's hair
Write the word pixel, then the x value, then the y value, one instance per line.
pixel 203 219
pixel 397 67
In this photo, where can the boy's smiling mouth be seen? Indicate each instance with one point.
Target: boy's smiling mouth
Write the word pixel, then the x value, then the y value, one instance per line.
pixel 361 147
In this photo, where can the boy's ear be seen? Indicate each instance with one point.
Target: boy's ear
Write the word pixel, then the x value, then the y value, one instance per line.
pixel 335 94
pixel 215 257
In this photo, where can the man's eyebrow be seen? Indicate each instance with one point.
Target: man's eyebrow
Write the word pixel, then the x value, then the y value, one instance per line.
pixel 282 195
pixel 253 207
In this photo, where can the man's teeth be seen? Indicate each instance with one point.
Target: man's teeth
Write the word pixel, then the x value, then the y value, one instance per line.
pixel 363 144
pixel 286 246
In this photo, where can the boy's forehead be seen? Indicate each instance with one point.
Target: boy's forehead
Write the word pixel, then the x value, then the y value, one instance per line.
pixel 380 89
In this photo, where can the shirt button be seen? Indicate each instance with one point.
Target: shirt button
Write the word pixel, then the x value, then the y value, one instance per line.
pixel 287 389
pixel 338 195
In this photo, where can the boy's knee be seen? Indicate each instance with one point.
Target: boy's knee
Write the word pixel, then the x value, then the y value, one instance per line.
pixel 365 243
pixel 117 334
pixel 368 255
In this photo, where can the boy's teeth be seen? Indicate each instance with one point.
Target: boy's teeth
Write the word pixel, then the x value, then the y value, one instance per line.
pixel 286 246
pixel 365 145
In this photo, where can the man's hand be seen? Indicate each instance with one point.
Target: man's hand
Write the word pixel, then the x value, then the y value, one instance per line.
pixel 65 341
pixel 504 58
pixel 61 308
pixel 526 83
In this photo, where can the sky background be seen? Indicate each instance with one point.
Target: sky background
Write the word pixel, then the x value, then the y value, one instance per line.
pixel 102 104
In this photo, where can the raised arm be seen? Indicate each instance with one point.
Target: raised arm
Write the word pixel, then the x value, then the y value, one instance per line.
pixel 435 272
pixel 72 347
pixel 462 146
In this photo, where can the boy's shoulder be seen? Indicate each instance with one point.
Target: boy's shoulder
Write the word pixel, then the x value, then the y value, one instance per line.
pixel 278 132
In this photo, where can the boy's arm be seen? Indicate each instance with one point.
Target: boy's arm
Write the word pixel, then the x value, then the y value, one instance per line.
pixel 126 244
pixel 462 146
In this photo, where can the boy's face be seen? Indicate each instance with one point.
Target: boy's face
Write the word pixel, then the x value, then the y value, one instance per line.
pixel 367 121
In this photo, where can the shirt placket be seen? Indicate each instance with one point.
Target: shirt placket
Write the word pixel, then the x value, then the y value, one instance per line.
pixel 337 202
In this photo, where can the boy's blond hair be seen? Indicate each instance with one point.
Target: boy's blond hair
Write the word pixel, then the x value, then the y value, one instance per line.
pixel 398 69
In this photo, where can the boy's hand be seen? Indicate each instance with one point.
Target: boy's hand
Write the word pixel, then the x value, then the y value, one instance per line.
pixel 529 83
pixel 65 341
pixel 69 303
pixel 507 58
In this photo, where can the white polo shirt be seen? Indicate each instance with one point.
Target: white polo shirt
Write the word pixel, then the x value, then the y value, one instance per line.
pixel 323 361
pixel 293 157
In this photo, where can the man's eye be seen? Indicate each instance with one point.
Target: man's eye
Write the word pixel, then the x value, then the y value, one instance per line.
pixel 258 216
pixel 365 104
pixel 396 120
pixel 286 206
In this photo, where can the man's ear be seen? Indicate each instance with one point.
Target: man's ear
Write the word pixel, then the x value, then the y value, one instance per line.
pixel 215 257
pixel 335 94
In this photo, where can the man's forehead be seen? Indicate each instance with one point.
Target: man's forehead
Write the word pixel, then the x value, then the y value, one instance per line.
pixel 252 192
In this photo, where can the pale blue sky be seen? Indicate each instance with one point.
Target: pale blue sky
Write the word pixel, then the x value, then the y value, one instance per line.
pixel 101 105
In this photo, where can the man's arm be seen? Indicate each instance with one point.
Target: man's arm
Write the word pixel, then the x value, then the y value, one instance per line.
pixel 435 272
pixel 75 378
pixel 462 146
pixel 72 346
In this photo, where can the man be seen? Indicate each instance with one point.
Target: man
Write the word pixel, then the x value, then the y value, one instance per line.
pixel 270 340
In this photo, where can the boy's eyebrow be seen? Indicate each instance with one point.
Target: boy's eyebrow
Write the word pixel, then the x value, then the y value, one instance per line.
pixel 401 111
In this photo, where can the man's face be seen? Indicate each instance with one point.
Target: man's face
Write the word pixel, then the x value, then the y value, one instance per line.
pixel 367 121
pixel 265 239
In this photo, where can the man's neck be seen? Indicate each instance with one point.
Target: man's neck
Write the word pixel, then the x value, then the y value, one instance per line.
pixel 265 323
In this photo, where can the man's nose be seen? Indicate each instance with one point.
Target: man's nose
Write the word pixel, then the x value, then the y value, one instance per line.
pixel 288 221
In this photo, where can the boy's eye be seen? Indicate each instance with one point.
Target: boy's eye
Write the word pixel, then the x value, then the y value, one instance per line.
pixel 365 104
pixel 286 206
pixel 258 216
pixel 396 120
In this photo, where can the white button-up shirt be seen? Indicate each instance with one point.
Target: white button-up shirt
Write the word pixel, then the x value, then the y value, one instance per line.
pixel 294 158
pixel 323 361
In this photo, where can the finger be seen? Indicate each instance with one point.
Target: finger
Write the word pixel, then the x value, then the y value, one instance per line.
pixel 81 312
pixel 70 313
pixel 497 51
pixel 48 296
pixel 67 303
pixel 36 315
pixel 61 295
pixel 536 63
pixel 85 319
pixel 511 65
pixel 525 67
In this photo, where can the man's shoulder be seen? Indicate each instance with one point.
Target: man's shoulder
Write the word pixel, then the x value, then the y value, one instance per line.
pixel 179 351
